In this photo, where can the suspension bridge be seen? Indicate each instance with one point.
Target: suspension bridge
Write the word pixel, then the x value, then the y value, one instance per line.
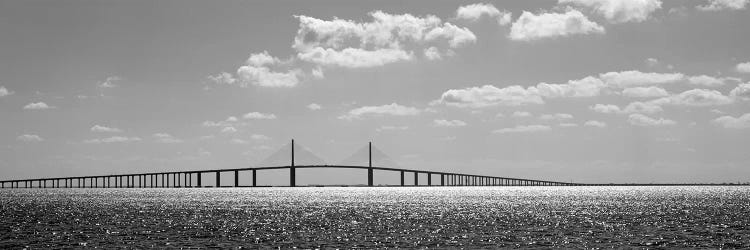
pixel 368 158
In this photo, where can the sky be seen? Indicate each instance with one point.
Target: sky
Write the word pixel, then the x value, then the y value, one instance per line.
pixel 593 91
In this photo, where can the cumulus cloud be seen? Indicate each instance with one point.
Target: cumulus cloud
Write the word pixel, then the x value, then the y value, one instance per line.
pixel 393 109
pixel 449 123
pixel 523 129
pixel 113 139
pixel 259 116
pixel 4 91
pixel 619 11
pixel 166 138
pixel 586 87
pixel 257 72
pixel 632 78
pixel 741 92
pixel 314 106
pixel 644 92
pixel 733 122
pixel 387 39
pixel 652 62
pixel 229 130
pixel 105 129
pixel 223 78
pixel 709 81
pixel 473 12
pixel 37 106
pixel 530 27
pixel 432 53
pixel 695 98
pixel 488 95
pixel 631 108
pixel 743 67
pixel 29 138
pixel 716 5
pixel 593 123
pixel 558 116
pixel 521 114
pixel 645 121
pixel 606 108
pixel 110 82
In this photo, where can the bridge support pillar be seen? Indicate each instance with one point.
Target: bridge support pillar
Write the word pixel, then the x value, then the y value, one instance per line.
pixel 429 179
pixel 255 179
pixel 218 179
pixel 402 178
pixel 236 178
pixel 416 179
pixel 198 176
pixel 442 179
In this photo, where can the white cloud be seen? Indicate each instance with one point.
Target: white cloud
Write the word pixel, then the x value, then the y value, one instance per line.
pixel 558 116
pixel 391 128
pixel 386 39
pixel 645 121
pixel 597 124
pixel 110 82
pixel 473 12
pixel 523 129
pixel 166 138
pixel 238 141
pixel 634 78
pixel 314 106
pixel 104 129
pixel 521 114
pixel 606 108
pixel 530 27
pixel 743 67
pixel 388 109
pixel 4 91
pixel 113 139
pixel 257 72
pixel 318 73
pixel 642 108
pixel 733 122
pixel 695 98
pixel 619 11
pixel 716 5
pixel 432 53
pixel 222 78
pixel 37 106
pixel 644 92
pixel 259 116
pixel 741 92
pixel 259 137
pixel 709 81
pixel 229 130
pixel 29 138
pixel 449 123
pixel 231 119
pixel 586 87
pixel 652 62
pixel 488 95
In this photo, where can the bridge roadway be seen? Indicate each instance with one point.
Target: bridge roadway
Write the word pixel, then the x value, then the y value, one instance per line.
pixel 177 179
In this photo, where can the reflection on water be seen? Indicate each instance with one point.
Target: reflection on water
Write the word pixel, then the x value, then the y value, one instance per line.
pixel 470 217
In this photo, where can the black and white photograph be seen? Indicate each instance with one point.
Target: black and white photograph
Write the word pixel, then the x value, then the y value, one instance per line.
pixel 374 124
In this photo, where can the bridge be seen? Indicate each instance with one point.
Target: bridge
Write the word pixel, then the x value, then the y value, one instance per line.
pixel 185 179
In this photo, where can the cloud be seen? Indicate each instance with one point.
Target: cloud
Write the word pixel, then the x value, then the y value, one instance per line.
pixel 741 92
pixel 733 122
pixel 166 138
pixel 104 129
pixel 110 82
pixel 432 53
pixel 393 109
pixel 644 92
pixel 523 129
pixel 29 138
pixel 695 98
pixel 521 114
pixel 619 11
pixel 716 5
pixel 314 106
pixel 259 137
pixel 586 87
pixel 473 12
pixel 634 78
pixel 557 117
pixel 238 141
pixel 257 72
pixel 634 107
pixel 113 139
pixel 229 130
pixel 37 106
pixel 652 62
pixel 449 123
pixel 567 125
pixel 223 78
pixel 488 95
pixel 606 108
pixel 645 121
pixel 596 124
pixel 743 67
pixel 530 27
pixel 709 81
pixel 4 91
pixel 391 128
pixel 259 116
pixel 387 39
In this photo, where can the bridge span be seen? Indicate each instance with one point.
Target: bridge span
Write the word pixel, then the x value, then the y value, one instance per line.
pixel 184 179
